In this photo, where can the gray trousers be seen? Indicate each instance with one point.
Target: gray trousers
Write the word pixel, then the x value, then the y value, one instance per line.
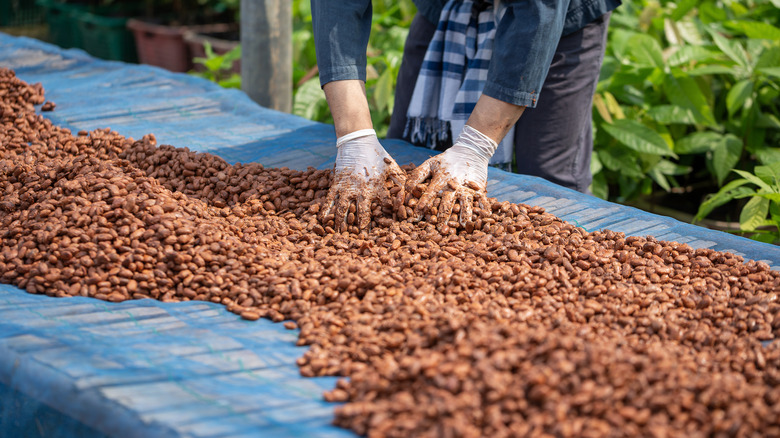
pixel 554 140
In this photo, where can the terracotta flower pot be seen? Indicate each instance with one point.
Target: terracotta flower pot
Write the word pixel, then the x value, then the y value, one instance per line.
pixel 164 46
pixel 161 45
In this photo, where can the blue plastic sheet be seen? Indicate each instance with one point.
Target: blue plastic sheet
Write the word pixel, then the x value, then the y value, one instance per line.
pixel 84 367
pixel 144 368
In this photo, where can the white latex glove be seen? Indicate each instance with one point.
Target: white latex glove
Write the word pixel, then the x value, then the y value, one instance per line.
pixel 457 174
pixel 361 169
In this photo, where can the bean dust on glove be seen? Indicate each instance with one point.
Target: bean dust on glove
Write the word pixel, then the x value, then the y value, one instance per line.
pixel 361 170
pixel 458 174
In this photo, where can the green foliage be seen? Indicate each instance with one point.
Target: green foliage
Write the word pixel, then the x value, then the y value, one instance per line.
pixel 309 102
pixel 688 91
pixel 218 68
pixel 687 96
pixel 760 216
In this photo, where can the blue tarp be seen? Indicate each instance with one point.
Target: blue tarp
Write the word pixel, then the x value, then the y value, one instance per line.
pixel 77 367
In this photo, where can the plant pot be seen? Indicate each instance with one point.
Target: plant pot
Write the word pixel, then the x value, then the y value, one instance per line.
pixel 107 37
pixel 223 40
pixel 163 46
pixel 63 23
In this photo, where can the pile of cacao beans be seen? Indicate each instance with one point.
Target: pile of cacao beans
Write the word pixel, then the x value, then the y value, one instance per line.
pixel 520 325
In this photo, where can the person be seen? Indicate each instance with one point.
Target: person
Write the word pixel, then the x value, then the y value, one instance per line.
pixel 543 59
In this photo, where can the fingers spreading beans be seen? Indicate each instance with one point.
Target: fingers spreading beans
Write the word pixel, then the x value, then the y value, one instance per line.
pixel 518 324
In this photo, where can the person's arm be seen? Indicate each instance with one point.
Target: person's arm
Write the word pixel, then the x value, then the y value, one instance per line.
pixel 494 117
pixel 341 31
pixel 526 38
pixel 348 105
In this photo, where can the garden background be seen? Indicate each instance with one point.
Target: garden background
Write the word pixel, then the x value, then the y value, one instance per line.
pixel 685 115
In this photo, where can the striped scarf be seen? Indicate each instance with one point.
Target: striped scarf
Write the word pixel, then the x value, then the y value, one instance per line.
pixel 453 75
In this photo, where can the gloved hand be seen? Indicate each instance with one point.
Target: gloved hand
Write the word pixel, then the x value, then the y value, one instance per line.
pixel 457 174
pixel 362 167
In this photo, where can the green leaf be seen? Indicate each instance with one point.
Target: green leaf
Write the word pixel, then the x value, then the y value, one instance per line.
pixel 753 213
pixel 739 93
pixel 630 95
pixel 768 155
pixel 709 12
pixel 383 91
pixel 774 197
pixel 234 81
pixel 755 139
pixel 208 49
pixel 712 70
pixel 698 142
pixel 766 237
pixel 731 48
pixel 724 195
pixel 690 32
pixel 738 8
pixel 645 50
pixel 755 180
pixel 232 55
pixel 774 213
pixel 767 121
pixel 667 167
pixel 669 114
pixel 638 137
pixel 613 106
pixel 621 160
pixel 726 155
pixel 657 77
pixel 631 76
pixel 770 71
pixel 308 99
pixel 684 92
pixel 213 63
pixel 659 178
pixel 769 173
pixel 608 69
pixel 618 42
pixel 601 108
pixel 755 29
pixel 769 56
pixel 595 164
pixel 686 54
pixel 672 33
pixel 683 7
pixel 599 186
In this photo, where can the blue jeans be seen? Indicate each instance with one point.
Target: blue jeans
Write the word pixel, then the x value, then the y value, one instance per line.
pixel 554 140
